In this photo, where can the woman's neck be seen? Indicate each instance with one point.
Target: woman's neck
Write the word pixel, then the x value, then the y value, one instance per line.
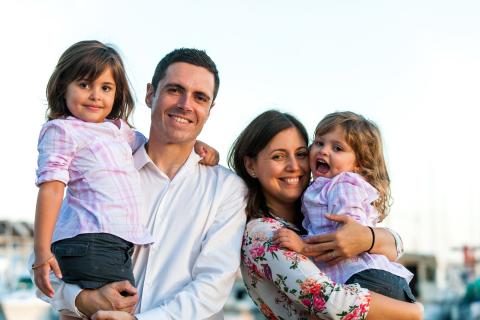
pixel 285 211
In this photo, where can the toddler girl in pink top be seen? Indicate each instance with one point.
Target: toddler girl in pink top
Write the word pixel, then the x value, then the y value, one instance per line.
pixel 351 178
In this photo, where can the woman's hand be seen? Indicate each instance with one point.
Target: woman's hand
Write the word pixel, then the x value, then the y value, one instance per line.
pixel 348 241
pixel 112 315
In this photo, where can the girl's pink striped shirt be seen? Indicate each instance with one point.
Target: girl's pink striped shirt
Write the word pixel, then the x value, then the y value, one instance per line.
pixel 346 193
pixel 94 161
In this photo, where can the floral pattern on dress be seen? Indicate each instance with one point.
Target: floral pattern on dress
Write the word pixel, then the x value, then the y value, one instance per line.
pixel 287 285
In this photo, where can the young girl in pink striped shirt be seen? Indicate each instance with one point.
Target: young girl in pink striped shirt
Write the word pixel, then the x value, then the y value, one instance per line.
pixel 87 237
pixel 351 178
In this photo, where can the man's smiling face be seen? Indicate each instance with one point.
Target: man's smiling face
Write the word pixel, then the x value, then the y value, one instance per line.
pixel 181 104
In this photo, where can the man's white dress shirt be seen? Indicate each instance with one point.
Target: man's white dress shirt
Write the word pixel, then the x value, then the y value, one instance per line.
pixel 197 221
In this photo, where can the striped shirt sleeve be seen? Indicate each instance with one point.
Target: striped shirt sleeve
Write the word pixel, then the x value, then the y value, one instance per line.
pixel 56 149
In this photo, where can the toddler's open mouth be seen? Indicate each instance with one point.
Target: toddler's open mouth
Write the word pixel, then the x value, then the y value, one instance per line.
pixel 322 167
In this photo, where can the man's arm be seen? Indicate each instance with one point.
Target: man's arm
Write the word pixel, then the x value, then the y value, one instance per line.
pixel 215 269
pixel 71 300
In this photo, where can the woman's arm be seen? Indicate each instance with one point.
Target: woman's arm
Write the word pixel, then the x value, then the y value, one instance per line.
pixel 297 277
pixel 382 307
pixel 350 240
pixel 300 279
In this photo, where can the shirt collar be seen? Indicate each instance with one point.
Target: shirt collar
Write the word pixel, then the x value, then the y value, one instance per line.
pixel 141 159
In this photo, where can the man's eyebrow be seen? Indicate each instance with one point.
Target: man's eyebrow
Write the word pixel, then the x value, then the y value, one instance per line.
pixel 175 85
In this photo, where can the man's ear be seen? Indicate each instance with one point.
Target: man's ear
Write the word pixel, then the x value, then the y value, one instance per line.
pixel 150 94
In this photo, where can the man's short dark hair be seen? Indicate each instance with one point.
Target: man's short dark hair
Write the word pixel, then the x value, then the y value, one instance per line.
pixel 188 55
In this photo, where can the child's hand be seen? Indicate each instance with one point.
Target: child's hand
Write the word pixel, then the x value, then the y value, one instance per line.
pixel 210 156
pixel 44 262
pixel 289 239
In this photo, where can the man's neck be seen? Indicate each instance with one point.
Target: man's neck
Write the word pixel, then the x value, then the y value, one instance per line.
pixel 169 158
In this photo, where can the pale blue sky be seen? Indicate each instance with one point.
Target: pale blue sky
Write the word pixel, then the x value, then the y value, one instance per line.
pixel 411 66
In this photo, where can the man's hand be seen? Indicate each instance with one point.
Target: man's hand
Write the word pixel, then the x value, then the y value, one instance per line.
pixel 289 239
pixel 348 241
pixel 112 315
pixel 108 297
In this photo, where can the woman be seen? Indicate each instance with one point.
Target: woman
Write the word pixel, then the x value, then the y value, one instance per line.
pixel 271 156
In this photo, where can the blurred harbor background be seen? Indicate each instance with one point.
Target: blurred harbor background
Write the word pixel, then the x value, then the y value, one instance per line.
pixel 411 66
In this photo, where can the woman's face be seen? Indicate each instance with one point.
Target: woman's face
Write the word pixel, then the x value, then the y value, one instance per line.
pixel 282 168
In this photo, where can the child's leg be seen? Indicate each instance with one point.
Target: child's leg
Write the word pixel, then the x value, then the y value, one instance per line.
pixel 94 259
pixel 385 283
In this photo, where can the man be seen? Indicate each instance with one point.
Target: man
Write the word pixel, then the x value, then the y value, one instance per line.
pixel 195 213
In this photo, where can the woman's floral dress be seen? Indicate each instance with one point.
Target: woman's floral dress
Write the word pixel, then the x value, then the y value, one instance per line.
pixel 287 285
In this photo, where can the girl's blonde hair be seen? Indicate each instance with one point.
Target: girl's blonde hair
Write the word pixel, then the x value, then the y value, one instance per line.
pixel 88 60
pixel 364 137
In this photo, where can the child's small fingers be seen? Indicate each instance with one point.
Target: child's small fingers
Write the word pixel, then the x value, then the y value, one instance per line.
pixel 48 287
pixel 42 280
pixel 45 287
pixel 56 268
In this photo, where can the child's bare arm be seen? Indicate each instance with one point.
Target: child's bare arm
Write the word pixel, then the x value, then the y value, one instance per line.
pixel 210 155
pixel 49 200
pixel 289 239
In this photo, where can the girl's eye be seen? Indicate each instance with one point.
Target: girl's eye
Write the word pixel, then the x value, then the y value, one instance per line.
pixel 319 143
pixel 337 148
pixel 106 88
pixel 83 85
